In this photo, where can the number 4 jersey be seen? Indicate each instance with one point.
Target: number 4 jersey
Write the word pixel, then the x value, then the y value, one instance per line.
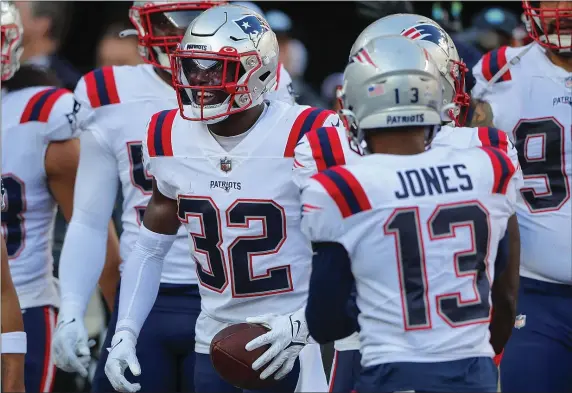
pixel 241 209
pixel 32 118
pixel 422 234
pixel 532 103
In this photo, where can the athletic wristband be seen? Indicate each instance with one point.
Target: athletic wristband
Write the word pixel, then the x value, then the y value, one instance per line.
pixel 14 342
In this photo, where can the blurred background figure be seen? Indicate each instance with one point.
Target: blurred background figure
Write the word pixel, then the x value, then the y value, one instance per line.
pixel 294 56
pixel 329 88
pixel 115 50
pixel 45 28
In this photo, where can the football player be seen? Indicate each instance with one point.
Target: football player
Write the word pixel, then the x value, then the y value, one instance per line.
pixel 222 167
pixel 121 101
pixel 13 335
pixel 39 163
pixel 528 93
pixel 432 220
pixel 429 35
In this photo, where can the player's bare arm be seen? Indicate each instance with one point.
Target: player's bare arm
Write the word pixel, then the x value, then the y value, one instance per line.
pixel 12 363
pixel 505 291
pixel 62 159
pixel 482 114
pixel 161 213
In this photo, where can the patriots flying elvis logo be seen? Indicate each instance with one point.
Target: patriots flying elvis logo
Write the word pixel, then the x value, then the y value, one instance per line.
pixel 253 27
pixel 428 32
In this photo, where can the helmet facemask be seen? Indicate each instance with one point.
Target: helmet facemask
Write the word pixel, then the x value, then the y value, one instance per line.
pixel 11 32
pixel 550 27
pixel 211 86
pixel 160 27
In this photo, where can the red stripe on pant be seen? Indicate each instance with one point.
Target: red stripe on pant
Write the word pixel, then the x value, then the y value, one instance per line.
pixel 49 372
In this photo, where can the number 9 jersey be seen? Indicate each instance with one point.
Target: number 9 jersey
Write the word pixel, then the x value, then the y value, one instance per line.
pixel 422 235
pixel 532 102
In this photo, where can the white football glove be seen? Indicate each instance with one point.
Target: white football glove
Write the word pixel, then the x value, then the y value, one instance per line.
pixel 287 336
pixel 122 355
pixel 70 345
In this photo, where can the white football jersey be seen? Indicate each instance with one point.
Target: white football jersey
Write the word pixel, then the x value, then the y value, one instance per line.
pixel 122 100
pixel 532 103
pixel 241 209
pixel 32 118
pixel 422 233
pixel 460 138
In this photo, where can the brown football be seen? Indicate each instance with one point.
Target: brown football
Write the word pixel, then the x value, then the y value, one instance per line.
pixel 233 362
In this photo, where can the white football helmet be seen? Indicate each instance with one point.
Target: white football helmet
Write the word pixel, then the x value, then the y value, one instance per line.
pixel 439 44
pixel 225 63
pixel 392 82
pixel 11 39
pixel 160 25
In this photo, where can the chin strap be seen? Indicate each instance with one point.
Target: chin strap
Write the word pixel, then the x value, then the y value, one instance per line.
pixel 127 33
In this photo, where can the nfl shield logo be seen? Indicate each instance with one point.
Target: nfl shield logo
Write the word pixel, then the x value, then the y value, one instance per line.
pixel 520 321
pixel 569 82
pixel 225 164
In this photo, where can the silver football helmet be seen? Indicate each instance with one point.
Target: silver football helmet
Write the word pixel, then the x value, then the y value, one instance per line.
pixel 160 25
pixel 392 82
pixel 225 63
pixel 11 39
pixel 427 33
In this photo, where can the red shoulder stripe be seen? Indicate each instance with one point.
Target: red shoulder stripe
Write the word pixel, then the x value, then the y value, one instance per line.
pixel 159 133
pixel 345 190
pixel 493 61
pixel 326 147
pixel 101 87
pixel 502 169
pixel 41 104
pixel 490 136
pixel 307 120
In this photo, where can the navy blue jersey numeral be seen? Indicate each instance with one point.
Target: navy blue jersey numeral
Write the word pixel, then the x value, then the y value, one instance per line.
pixel 13 215
pixel 139 176
pixel 243 250
pixel 547 164
pixel 405 226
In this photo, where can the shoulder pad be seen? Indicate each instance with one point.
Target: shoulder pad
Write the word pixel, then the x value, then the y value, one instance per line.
pixel 345 190
pixel 41 104
pixel 159 133
pixel 307 120
pixel 99 87
pixel 503 169
pixel 492 62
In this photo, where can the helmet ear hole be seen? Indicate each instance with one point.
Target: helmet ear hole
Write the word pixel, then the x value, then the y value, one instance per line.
pixel 264 76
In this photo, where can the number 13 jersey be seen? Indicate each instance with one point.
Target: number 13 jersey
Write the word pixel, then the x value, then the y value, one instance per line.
pixel 532 102
pixel 422 234
pixel 241 209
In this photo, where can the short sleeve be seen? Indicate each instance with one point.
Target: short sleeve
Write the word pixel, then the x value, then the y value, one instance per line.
pixel 153 166
pixel 321 218
pixel 322 148
pixel 62 122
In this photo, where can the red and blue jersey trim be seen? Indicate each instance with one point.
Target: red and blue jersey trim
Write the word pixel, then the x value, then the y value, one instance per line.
pixel 101 87
pixel 326 147
pixel 490 136
pixel 41 104
pixel 307 120
pixel 159 133
pixel 345 190
pixel 493 62
pixel 502 169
